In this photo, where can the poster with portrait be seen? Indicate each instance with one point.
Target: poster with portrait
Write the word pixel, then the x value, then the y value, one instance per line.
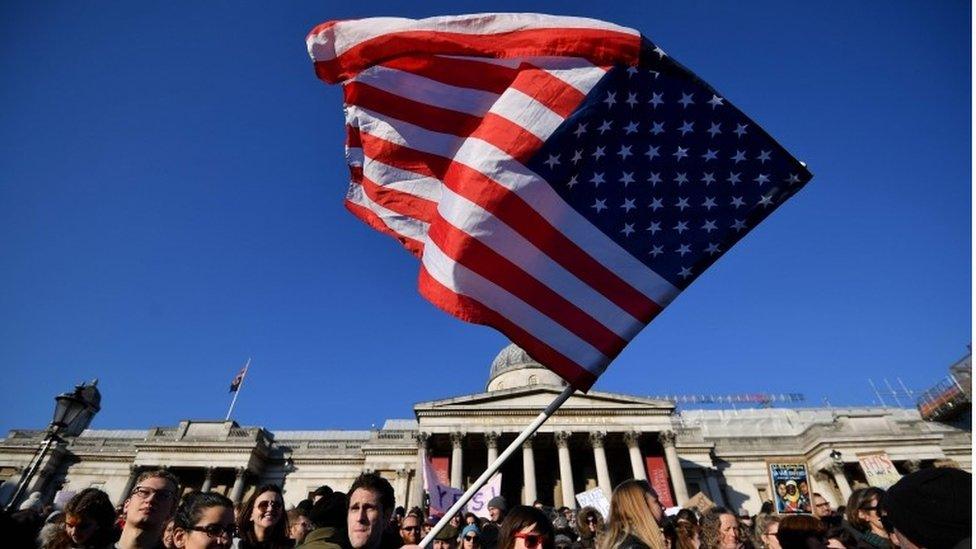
pixel 790 486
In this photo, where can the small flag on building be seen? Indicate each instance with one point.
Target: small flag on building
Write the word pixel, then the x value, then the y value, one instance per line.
pixel 238 379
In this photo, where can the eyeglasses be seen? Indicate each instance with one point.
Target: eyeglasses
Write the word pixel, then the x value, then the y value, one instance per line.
pixel 144 492
pixel 410 528
pixel 471 537
pixel 215 530
pixel 269 503
pixel 531 539
pixel 824 504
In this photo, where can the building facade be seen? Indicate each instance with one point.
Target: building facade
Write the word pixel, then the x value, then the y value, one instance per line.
pixel 596 439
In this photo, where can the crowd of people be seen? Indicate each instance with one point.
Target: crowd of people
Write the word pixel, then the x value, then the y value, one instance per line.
pixel 928 509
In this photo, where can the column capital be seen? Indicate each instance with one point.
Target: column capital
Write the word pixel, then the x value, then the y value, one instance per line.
pixel 667 438
pixel 632 438
pixel 422 439
pixel 562 438
pixel 402 472
pixel 596 438
pixel 491 439
pixel 457 439
pixel 528 441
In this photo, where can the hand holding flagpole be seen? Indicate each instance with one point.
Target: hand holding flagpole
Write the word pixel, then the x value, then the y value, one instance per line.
pixel 235 387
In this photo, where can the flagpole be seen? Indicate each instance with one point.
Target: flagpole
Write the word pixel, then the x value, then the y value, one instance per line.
pixel 238 391
pixel 499 461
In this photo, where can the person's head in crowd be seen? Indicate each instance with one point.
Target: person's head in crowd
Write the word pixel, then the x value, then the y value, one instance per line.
pixel 470 518
pixel 428 526
pixel 88 521
pixel 766 508
pixel 456 522
pixel 562 541
pixel 148 507
pixel 525 527
pixel 471 537
pixel 168 531
pixel 821 507
pixel 299 525
pixel 589 522
pixel 569 514
pixel 497 509
pixel 719 529
pixel 931 509
pixel 864 511
pixel 765 530
pixel 305 506
pixel 262 518
pixel 801 532
pixel 371 504
pixel 632 515
pixel 205 520
pixel 321 492
pixel 398 513
pixel 840 537
pixel 687 532
pixel 446 538
pixel 410 528
pixel 538 505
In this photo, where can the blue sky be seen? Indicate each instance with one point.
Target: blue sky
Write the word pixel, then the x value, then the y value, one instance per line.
pixel 171 203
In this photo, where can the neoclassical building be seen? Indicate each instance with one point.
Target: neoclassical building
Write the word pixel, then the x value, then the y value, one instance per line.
pixel 595 440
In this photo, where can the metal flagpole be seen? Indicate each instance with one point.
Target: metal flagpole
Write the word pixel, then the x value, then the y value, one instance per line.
pixel 238 391
pixel 497 464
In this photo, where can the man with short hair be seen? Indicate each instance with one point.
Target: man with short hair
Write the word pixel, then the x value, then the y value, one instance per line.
pixel 371 503
pixel 410 529
pixel 821 507
pixel 299 525
pixel 497 509
pixel 148 507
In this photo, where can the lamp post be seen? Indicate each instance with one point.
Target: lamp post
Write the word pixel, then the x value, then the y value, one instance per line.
pixel 73 413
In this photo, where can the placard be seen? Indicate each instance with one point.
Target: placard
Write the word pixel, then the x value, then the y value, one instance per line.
pixel 595 498
pixel 790 486
pixel 878 469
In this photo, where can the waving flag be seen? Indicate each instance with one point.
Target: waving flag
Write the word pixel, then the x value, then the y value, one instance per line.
pixel 561 179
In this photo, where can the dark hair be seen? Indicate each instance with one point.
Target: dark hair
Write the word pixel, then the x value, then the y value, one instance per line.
pixel 767 508
pixel 859 498
pixel 518 518
pixel 94 505
pixel 194 504
pixel 841 534
pixel 795 530
pixel 278 536
pixel 379 486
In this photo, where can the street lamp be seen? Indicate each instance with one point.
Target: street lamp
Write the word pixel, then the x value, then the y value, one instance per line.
pixel 836 456
pixel 73 412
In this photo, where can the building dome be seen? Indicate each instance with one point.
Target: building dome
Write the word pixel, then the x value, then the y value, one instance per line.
pixel 513 367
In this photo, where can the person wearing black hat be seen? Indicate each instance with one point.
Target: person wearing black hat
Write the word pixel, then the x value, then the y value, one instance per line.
pixel 446 538
pixel 328 514
pixel 323 491
pixel 931 509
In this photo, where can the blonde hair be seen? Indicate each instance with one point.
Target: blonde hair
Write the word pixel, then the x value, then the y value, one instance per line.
pixel 631 516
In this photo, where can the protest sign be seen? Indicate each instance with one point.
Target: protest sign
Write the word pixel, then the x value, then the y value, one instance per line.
pixel 442 497
pixel 63 497
pixel 878 469
pixel 594 498
pixel 790 486
pixel 479 501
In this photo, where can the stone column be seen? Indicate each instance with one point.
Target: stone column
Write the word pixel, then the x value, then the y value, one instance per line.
pixel 238 489
pixel 600 459
pixel 632 438
pixel 491 441
pixel 528 472
pixel 207 479
pixel 457 459
pixel 134 471
pixel 400 488
pixel 565 469
pixel 418 489
pixel 667 439
pixel 841 479
pixel 714 489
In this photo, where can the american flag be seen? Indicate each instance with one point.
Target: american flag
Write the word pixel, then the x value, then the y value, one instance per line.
pixel 561 179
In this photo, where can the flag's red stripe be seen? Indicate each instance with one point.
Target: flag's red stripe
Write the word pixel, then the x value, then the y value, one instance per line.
pixel 369 217
pixel 398 201
pixel 471 310
pixel 558 96
pixel 352 137
pixel 515 213
pixel 600 47
pixel 508 136
pixel 419 114
pixel 478 257
pixel 462 73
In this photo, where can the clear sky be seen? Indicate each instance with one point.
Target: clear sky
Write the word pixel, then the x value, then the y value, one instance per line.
pixel 171 186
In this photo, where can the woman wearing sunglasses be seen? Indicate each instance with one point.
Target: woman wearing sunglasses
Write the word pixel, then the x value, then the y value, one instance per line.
pixel 204 520
pixel 863 517
pixel 471 537
pixel 525 527
pixel 631 524
pixel 262 523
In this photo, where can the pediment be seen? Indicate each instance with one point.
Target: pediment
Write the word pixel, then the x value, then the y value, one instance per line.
pixel 534 399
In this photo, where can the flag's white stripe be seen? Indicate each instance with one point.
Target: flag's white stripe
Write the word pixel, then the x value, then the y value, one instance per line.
pixel 430 92
pixel 461 280
pixel 421 186
pixel 524 111
pixel 344 35
pixel 580 78
pixel 488 229
pixel 401 224
pixel 514 176
pixel 488 159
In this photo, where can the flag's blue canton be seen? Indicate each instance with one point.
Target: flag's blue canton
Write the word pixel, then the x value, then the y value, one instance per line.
pixel 667 168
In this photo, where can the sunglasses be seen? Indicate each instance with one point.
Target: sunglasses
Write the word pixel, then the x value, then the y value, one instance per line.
pixel 531 539
pixel 410 528
pixel 471 537
pixel 269 503
pixel 216 530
